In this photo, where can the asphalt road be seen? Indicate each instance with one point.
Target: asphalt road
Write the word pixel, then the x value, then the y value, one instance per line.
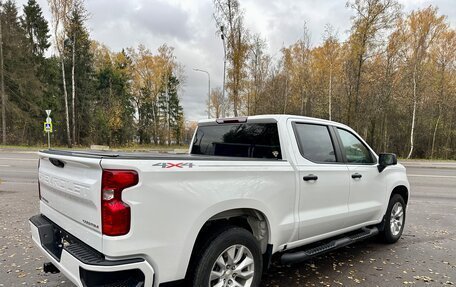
pixel 425 256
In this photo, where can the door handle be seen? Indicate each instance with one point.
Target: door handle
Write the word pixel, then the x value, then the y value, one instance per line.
pixel 310 177
pixel 356 175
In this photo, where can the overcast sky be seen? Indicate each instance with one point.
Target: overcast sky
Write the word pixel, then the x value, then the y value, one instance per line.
pixel 188 26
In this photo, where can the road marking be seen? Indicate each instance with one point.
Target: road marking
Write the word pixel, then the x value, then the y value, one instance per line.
pixel 9 158
pixel 429 175
pixel 4 165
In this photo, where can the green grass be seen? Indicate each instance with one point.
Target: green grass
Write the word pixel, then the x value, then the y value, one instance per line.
pixel 150 147
pixel 21 147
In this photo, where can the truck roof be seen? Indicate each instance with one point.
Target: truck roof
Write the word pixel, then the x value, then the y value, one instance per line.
pixel 273 117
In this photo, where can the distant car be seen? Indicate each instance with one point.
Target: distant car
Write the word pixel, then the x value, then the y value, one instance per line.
pixel 249 188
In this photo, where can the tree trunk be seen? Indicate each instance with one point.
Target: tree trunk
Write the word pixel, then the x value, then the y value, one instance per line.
pixel 412 130
pixel 65 96
pixel 155 123
pixel 308 107
pixel 385 133
pixel 330 92
pixel 2 83
pixel 235 102
pixel 435 133
pixel 168 111
pixel 349 100
pixel 286 96
pixel 73 91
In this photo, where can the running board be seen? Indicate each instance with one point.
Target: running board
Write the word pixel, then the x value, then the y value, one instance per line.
pixel 299 256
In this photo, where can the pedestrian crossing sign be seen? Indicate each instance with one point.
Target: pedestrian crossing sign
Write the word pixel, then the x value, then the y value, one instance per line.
pixel 47 127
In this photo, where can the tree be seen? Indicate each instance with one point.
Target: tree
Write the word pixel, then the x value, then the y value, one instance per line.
pixel 296 73
pixel 216 104
pixel 2 82
pixel 36 27
pixel 112 124
pixel 258 67
pixel 301 57
pixel 20 79
pixel 150 75
pixel 77 51
pixel 419 31
pixel 372 17
pixel 60 10
pixel 330 51
pixel 443 56
pixel 171 111
pixel 229 15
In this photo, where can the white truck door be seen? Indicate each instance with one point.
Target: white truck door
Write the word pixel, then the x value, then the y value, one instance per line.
pixel 367 184
pixel 323 180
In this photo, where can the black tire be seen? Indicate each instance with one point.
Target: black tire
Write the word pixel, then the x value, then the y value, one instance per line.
pixel 389 234
pixel 213 250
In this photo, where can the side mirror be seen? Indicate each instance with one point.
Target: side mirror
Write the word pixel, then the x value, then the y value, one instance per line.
pixel 386 159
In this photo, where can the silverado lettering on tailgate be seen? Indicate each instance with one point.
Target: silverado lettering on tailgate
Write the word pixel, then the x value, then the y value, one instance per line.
pixel 62 184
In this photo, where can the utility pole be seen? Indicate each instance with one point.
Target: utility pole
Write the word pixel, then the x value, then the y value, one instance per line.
pixel 208 92
pixel 168 108
pixel 222 35
pixel 2 84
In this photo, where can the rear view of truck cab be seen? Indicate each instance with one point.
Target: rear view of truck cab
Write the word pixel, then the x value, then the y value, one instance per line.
pixel 81 209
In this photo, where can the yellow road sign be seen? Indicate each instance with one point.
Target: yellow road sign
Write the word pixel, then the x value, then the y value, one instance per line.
pixel 47 127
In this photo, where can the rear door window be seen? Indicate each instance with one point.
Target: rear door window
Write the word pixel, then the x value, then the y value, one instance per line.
pixel 315 143
pixel 254 140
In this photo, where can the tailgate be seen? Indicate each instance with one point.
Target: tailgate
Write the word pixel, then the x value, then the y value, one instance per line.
pixel 70 189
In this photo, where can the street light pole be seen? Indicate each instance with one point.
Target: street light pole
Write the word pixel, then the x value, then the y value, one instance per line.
pixel 208 92
pixel 222 35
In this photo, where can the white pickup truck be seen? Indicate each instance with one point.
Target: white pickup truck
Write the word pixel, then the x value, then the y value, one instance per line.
pixel 249 188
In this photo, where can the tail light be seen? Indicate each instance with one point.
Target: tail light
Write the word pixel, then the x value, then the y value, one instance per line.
pixel 115 214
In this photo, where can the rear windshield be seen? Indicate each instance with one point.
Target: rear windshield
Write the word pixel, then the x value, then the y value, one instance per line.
pixel 260 140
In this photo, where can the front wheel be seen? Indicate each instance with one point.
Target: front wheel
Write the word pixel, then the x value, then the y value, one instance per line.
pixel 232 259
pixel 394 220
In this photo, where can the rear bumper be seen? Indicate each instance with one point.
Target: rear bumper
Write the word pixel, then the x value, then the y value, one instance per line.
pixel 83 265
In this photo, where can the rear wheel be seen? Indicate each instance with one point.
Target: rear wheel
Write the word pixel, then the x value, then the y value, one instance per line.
pixel 232 259
pixel 394 220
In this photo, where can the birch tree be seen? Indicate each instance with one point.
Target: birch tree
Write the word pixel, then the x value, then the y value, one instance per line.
pixel 60 10
pixel 330 49
pixel 420 31
pixel 443 55
pixel 78 48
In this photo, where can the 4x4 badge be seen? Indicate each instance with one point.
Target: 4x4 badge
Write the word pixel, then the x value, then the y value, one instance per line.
pixel 174 165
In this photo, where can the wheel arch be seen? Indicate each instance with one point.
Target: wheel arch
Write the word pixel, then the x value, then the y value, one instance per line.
pixel 402 190
pixel 250 218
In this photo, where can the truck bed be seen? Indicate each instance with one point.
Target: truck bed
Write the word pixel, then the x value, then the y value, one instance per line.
pixel 147 155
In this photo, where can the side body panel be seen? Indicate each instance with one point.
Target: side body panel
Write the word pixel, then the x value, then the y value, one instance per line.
pixel 170 205
pixel 323 203
pixel 367 194
pixel 365 203
pixel 323 206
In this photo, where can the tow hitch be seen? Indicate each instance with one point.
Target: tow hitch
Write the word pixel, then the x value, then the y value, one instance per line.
pixel 48 267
